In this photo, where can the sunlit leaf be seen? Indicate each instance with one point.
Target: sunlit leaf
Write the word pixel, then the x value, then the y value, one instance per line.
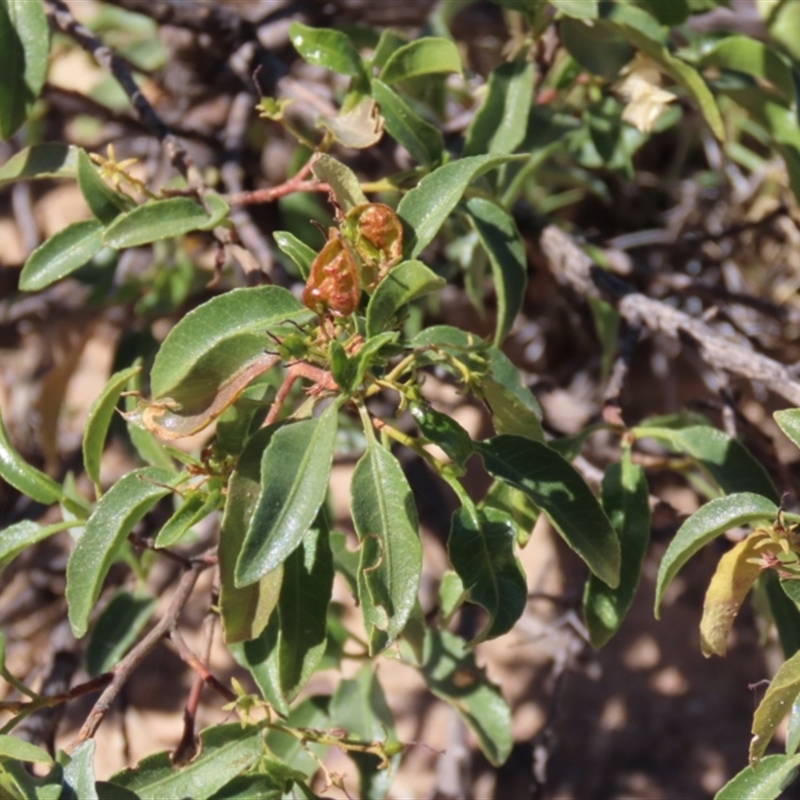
pixel 766 782
pixel 15 471
pixel 780 697
pixel 104 203
pixel 325 47
pixel 344 184
pixel 424 56
pixel 40 161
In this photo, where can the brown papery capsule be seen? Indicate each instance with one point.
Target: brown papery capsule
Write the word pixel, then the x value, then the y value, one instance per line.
pixel 332 285
pixel 377 235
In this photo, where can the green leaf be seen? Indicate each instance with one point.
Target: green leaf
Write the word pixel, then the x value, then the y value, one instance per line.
pixel 501 240
pixel 424 56
pixel 559 490
pixel 226 751
pixel 313 714
pixel 244 611
pixel 195 507
pixel 51 160
pixel 783 611
pixel 766 782
pixel 789 423
pixel 404 283
pixel 113 519
pixel 444 431
pixel 260 656
pixel 450 671
pixel 328 48
pixel 24 46
pixel 625 499
pixel 247 787
pixel 422 140
pixel 600 49
pixel 150 450
pixel 774 706
pixel 579 9
pixel 116 629
pixel 294 475
pixel 300 253
pixel 481 550
pixel 669 12
pixel 793 728
pixel 79 772
pixel 724 458
pixel 104 203
pixel 424 209
pixel 743 54
pixel 11 747
pixel 61 254
pixel 96 428
pixel 17 783
pixel 499 124
pixel 516 504
pixel 157 219
pixel 214 341
pixel 385 519
pixel 303 608
pixel 344 184
pixel 606 322
pixel 15 471
pixel 708 522
pixel 19 537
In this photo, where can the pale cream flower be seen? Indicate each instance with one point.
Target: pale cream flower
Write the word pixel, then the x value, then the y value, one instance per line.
pixel 641 88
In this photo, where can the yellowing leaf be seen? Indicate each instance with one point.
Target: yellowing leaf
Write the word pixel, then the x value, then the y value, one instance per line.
pixel 736 572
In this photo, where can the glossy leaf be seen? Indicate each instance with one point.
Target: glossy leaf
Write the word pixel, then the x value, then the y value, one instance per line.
pixel 325 47
pixel 116 629
pixel 781 695
pixel 793 728
pixel 260 656
pixel 501 240
pixel 450 671
pixel 789 423
pixel 104 203
pixel 516 504
pixel 113 519
pixel 12 747
pixel 157 219
pixel 226 751
pixel 15 471
pixel 294 480
pixel 727 461
pixel 422 140
pixel 503 372
pixel 735 575
pixel 557 489
pixel 62 254
pixel 481 549
pixel 300 253
pixel 40 161
pixel 709 521
pixel 499 125
pixel 404 283
pixel 425 56
pixel 19 537
pixel 424 209
pixel 385 519
pixel 244 611
pixel 444 431
pixel 625 499
pixel 97 424
pixel 195 507
pixel 766 782
pixel 344 184
pixel 79 773
pixel 24 45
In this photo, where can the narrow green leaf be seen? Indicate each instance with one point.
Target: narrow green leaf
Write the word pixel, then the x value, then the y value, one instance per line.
pixel 501 240
pixel 225 752
pixel 793 728
pixel 600 49
pixel 422 140
pixel 783 611
pixel 79 772
pixel 109 791
pixel 39 161
pixel 559 490
pixel 404 283
pixel 625 499
pixel 106 530
pixel 244 611
pixel 444 431
pixel 217 210
pixel 385 519
pixel 766 782
pixel 789 423
pixel 503 371
pixel 303 608
pixel 260 656
pixel 450 671
pixel 516 504
pixel 15 471
pixel 708 522
pixel 294 477
pixel 157 219
pixel 19 537
pixel 300 253
pixel 425 208
pixel 248 787
pixel 425 56
pixel 17 783
pixel 61 254
pixel 774 706
pixel 311 713
pixel 481 550
pixel 499 124
pixel 328 48
pixel 195 507
pixel 24 45
pixel 116 629
pixel 96 428
pixel 669 12
pixel 150 450
pixel 104 203
pixel 579 9
pixel 724 458
pixel 214 341
pixel 11 747
pixel 344 184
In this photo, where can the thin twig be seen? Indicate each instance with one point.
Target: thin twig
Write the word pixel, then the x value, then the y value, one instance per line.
pixel 189 658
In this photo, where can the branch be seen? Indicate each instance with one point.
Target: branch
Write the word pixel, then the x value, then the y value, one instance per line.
pixel 573 267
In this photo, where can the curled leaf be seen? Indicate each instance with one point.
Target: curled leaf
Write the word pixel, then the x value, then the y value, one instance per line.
pixel 359 128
